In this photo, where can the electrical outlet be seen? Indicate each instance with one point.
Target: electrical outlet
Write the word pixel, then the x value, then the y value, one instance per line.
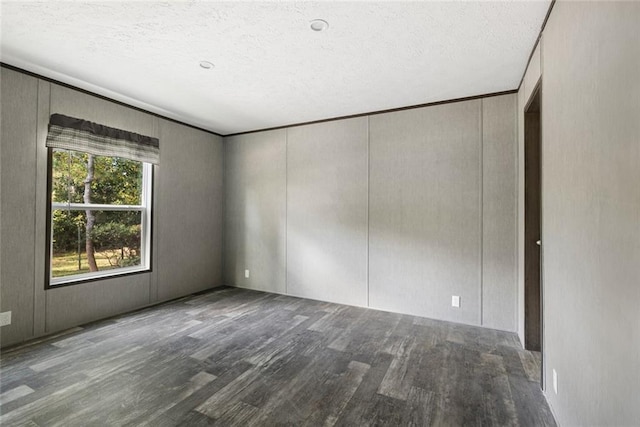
pixel 455 301
pixel 555 381
pixel 5 318
pixel 246 274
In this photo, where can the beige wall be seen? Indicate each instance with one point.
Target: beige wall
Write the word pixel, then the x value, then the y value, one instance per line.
pixel 255 210
pixel 591 210
pixel 389 211
pixel 19 115
pixel 499 207
pixel 590 63
pixel 327 167
pixel 187 212
pixel 189 205
pixel 425 228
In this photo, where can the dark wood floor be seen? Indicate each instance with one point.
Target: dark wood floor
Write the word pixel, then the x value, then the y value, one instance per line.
pixel 238 357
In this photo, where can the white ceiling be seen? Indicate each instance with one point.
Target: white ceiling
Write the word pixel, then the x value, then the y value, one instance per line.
pixel 270 68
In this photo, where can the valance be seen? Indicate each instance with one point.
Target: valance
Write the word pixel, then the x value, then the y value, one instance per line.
pixel 70 133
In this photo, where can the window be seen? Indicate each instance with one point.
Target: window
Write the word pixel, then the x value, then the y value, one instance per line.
pixel 100 216
pixel 100 202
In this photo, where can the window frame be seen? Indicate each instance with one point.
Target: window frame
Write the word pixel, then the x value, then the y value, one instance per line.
pixel 146 246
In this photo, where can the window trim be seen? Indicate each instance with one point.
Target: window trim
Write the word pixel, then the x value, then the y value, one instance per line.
pixel 146 209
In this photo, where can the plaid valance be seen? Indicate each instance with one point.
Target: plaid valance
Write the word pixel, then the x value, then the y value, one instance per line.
pixel 70 133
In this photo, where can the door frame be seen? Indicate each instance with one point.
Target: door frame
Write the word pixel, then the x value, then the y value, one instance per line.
pixel 534 105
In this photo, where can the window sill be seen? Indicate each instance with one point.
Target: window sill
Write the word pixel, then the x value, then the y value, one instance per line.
pixel 93 277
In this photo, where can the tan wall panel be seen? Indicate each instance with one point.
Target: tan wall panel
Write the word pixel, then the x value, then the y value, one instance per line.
pixel 591 211
pixel 189 225
pixel 499 263
pixel 75 305
pixel 327 174
pixel 425 211
pixel 17 167
pixel 255 211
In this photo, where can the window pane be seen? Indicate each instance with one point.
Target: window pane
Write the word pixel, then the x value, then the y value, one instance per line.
pixel 69 171
pixel 115 238
pixel 112 180
pixel 117 181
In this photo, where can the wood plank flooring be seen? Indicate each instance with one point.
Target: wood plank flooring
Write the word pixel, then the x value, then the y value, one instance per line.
pixel 237 357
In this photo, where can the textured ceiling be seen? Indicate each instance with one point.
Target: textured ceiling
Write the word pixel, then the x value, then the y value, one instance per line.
pixel 270 68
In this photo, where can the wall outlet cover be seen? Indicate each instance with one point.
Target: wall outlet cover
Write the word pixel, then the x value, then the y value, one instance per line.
pixel 246 274
pixel 455 301
pixel 555 381
pixel 5 318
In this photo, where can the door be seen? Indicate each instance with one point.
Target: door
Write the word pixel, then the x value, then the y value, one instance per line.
pixel 532 225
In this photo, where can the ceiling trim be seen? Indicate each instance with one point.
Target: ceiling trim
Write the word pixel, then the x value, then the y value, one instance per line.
pixel 106 98
pixel 373 113
pixel 331 119
pixel 535 45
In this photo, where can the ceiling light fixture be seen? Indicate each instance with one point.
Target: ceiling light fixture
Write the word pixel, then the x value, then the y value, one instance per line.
pixel 206 65
pixel 319 25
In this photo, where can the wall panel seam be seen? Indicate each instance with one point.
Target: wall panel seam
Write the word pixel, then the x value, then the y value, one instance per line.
pixel 481 212
pixel 155 215
pixel 368 199
pixel 35 217
pixel 223 203
pixel 286 211
pixel 516 179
